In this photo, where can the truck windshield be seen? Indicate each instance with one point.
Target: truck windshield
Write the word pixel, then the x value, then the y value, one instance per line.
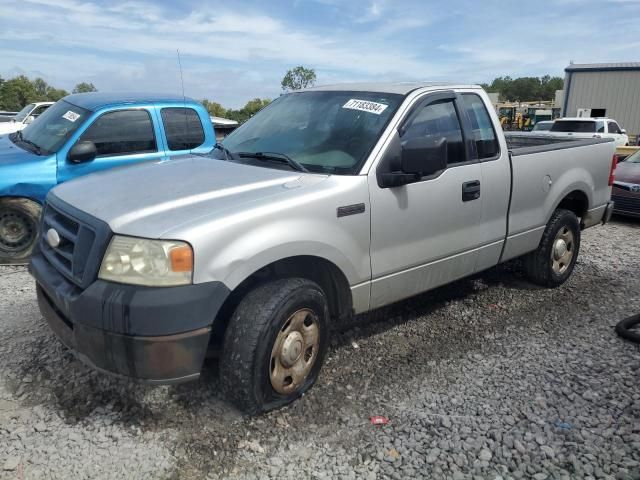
pixel 576 126
pixel 324 131
pixel 50 130
pixel 22 114
pixel 635 158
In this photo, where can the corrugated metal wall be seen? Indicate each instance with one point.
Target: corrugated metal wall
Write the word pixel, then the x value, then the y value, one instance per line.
pixel 617 91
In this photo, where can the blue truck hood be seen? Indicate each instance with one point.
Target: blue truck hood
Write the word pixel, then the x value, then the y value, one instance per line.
pixel 11 153
pixel 25 174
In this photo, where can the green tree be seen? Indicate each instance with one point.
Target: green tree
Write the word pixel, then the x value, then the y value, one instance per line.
pixel 297 78
pixel 55 94
pixel 214 108
pixel 16 93
pixel 525 88
pixel 251 108
pixel 84 87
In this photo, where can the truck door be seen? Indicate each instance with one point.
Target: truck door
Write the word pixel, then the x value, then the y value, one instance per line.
pixel 426 233
pixel 121 137
pixel 616 133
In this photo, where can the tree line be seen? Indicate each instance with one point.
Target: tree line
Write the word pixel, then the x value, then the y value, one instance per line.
pixel 16 92
pixel 525 88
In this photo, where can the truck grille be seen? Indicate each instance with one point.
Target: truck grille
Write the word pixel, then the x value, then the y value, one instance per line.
pixel 79 253
pixel 626 204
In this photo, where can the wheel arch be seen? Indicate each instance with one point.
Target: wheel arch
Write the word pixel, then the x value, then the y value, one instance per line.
pixel 325 273
pixel 37 201
pixel 576 201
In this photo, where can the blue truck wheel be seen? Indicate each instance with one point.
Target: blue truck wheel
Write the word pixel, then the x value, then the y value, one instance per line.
pixel 19 220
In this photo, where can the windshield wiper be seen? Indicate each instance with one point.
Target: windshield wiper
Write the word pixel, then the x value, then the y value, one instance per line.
pixel 227 153
pixel 36 147
pixel 278 157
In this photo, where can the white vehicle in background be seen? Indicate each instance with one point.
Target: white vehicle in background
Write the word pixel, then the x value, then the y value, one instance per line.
pixel 543 126
pixel 581 127
pixel 24 117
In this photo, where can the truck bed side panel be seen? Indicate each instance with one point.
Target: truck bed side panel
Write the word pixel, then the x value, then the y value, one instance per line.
pixel 543 178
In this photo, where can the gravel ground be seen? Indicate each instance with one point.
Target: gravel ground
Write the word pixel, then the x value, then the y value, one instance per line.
pixel 487 378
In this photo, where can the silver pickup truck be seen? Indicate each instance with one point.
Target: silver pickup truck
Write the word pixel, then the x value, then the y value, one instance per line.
pixel 329 202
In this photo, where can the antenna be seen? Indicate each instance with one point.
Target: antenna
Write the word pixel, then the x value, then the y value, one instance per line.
pixel 184 99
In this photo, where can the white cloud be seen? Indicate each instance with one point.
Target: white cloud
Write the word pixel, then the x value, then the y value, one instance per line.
pixel 231 52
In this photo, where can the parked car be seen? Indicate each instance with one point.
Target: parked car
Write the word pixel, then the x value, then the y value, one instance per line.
pixel 24 117
pixel 626 187
pixel 543 126
pixel 84 133
pixel 328 202
pixel 590 128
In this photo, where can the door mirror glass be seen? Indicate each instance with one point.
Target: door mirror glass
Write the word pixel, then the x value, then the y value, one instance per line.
pixel 29 119
pixel 83 151
pixel 424 156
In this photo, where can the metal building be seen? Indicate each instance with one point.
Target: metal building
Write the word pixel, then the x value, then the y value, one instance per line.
pixel 604 90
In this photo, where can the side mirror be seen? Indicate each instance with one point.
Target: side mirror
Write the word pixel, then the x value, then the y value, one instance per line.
pixel 29 119
pixel 82 152
pixel 623 131
pixel 424 156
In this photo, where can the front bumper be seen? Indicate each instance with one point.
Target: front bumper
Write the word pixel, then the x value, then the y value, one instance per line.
pixel 157 335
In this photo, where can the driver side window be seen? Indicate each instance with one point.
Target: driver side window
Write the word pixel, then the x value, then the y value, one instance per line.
pixel 439 119
pixel 123 132
pixel 613 127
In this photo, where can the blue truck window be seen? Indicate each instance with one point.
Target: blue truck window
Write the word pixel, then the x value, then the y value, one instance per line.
pixel 182 127
pixel 123 132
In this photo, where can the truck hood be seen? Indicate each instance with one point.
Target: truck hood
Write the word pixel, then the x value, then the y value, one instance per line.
pixel 10 153
pixel 150 199
pixel 628 172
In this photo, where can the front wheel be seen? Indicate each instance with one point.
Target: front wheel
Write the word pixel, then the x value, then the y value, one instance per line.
pixel 275 344
pixel 19 219
pixel 551 264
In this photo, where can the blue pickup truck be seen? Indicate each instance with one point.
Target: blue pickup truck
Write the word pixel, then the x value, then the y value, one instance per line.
pixel 85 133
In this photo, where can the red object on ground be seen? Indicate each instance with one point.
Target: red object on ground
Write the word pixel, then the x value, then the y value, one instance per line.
pixel 379 420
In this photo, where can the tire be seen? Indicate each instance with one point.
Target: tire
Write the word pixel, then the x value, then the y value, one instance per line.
pixel 626 328
pixel 19 223
pixel 543 266
pixel 264 336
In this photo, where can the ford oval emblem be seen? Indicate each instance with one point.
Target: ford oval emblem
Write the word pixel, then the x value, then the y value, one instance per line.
pixel 53 238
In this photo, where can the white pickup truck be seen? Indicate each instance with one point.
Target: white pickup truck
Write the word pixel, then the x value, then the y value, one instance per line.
pixel 329 202
pixel 581 127
pixel 24 117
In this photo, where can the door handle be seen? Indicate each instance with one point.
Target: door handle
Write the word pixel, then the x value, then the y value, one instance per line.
pixel 470 190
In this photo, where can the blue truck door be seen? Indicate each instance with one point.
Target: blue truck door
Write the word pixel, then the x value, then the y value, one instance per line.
pixel 122 136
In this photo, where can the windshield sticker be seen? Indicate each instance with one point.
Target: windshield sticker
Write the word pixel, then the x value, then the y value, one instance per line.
pixel 365 106
pixel 71 116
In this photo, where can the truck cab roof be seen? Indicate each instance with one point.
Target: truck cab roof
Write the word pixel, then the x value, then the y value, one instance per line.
pixel 94 101
pixel 402 88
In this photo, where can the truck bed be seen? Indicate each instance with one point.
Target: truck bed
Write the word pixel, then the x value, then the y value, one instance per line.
pixel 522 143
pixel 546 169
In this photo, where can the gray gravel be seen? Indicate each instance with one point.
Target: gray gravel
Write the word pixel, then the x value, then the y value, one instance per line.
pixel 487 378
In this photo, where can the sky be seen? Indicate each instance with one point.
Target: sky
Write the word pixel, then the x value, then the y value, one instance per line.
pixel 236 50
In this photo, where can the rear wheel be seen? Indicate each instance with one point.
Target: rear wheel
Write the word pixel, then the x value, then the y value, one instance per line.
pixel 275 344
pixel 19 219
pixel 552 263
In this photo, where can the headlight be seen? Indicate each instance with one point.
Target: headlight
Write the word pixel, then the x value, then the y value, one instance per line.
pixel 153 263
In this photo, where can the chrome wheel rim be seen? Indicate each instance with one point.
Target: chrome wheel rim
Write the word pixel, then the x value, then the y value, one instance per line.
pixel 562 251
pixel 294 351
